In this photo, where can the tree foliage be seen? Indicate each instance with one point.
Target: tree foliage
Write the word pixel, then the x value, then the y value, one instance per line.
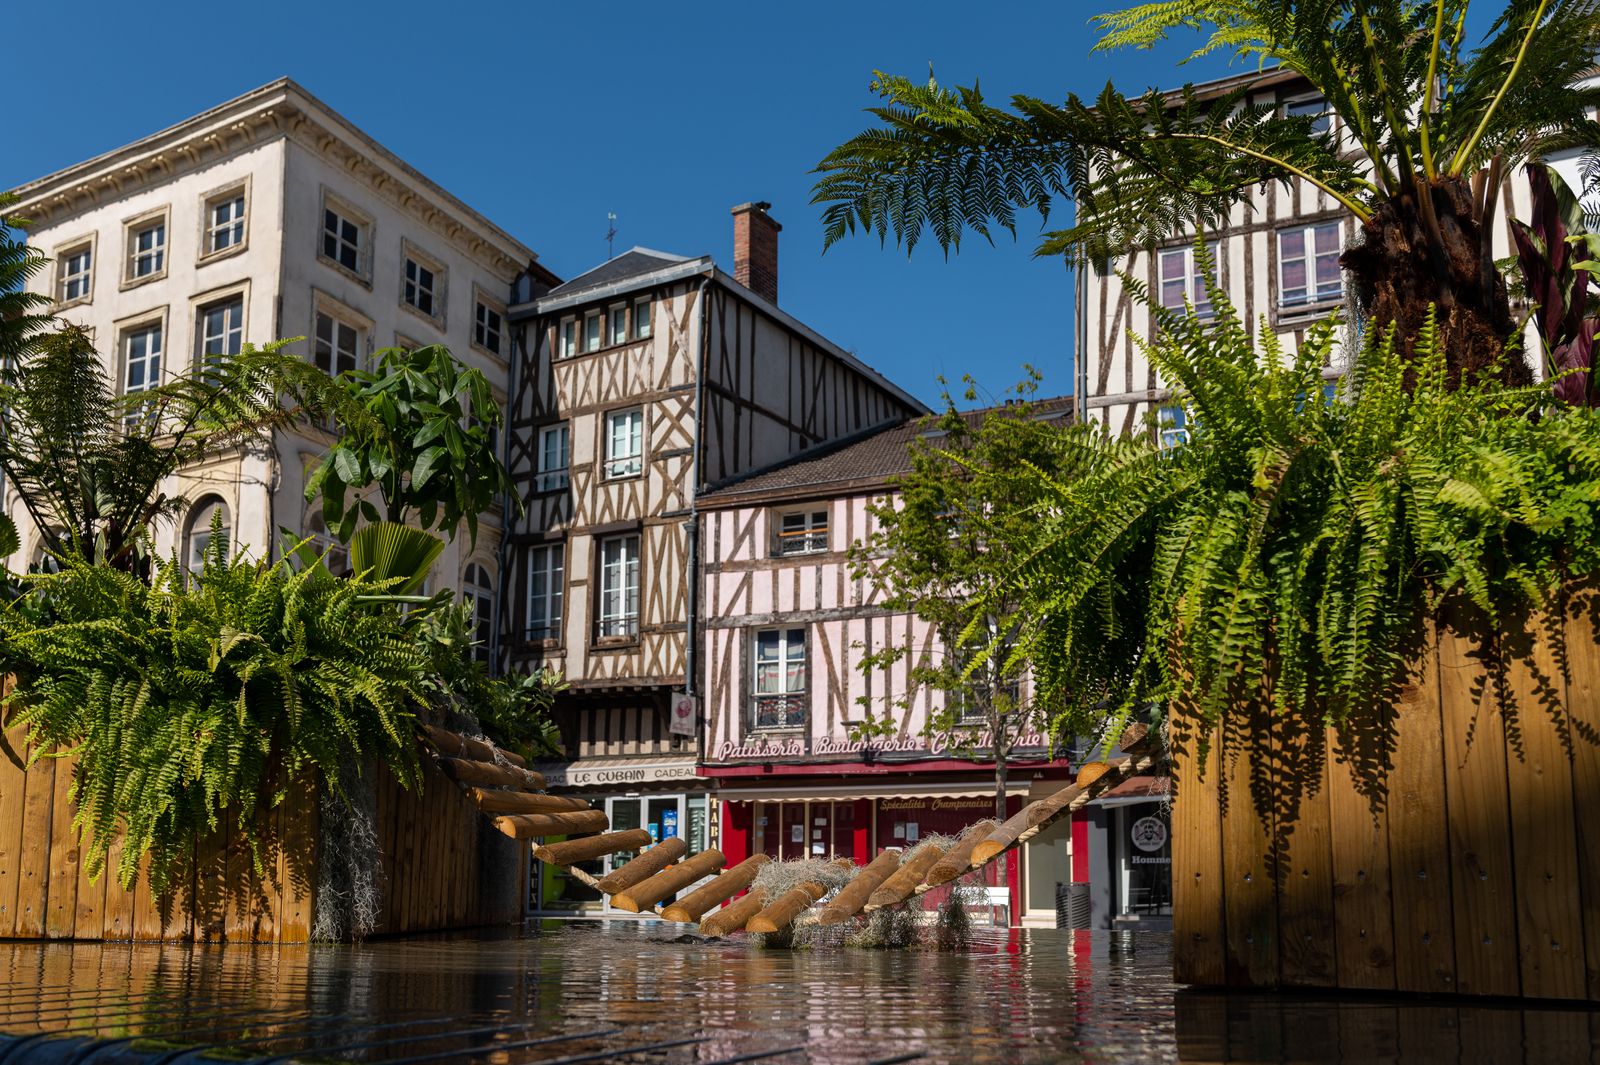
pixel 427 443
pixel 938 549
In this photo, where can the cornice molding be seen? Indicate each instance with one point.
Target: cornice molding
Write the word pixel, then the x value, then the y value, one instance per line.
pixel 118 174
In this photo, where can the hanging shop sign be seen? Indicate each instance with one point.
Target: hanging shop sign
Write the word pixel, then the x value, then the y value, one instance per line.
pixel 1150 836
pixel 680 716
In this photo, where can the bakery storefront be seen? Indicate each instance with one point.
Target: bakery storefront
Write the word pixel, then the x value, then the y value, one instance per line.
pixel 660 795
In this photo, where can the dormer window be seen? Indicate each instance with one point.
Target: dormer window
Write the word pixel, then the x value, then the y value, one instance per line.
pixel 802 533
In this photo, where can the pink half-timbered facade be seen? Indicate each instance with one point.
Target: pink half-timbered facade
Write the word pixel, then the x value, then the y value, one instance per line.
pixel 786 626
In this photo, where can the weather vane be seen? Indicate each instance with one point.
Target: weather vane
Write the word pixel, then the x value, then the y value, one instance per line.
pixel 611 234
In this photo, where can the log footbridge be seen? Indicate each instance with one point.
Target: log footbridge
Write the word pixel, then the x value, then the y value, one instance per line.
pixel 502 786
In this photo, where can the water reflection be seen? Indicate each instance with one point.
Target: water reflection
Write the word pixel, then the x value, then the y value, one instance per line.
pixel 598 988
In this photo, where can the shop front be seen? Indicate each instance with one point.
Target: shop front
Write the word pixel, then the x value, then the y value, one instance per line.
pixel 661 796
pixel 1128 832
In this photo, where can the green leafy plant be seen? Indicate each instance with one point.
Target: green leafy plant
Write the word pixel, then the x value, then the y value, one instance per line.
pixel 1418 132
pixel 427 443
pixel 1558 284
pixel 1281 562
pixel 190 702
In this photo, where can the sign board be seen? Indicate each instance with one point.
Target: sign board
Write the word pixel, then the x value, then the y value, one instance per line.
pixel 1149 834
pixel 589 774
pixel 680 715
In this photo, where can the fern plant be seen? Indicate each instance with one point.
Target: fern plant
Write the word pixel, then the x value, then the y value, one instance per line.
pixel 190 702
pixel 1273 572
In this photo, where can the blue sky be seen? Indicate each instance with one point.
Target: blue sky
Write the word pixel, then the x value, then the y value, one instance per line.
pixel 547 116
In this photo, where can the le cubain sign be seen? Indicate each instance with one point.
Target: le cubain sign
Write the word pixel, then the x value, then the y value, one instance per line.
pixel 579 775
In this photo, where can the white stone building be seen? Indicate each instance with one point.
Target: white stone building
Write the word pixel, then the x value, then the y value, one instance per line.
pixel 271 216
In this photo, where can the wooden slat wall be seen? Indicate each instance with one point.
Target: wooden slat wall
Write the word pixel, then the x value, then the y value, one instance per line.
pixel 441 869
pixel 1474 874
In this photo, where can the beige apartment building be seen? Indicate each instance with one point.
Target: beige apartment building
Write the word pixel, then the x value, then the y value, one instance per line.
pixel 272 216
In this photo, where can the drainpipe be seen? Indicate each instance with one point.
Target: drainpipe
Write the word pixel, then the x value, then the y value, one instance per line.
pixel 1080 356
pixel 519 349
pixel 691 656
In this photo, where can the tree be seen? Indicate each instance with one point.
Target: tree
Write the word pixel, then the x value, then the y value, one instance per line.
pixel 427 443
pixel 1423 130
pixel 936 552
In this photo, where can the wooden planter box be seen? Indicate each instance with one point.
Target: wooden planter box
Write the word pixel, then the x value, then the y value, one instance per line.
pixel 1474 870
pixel 443 867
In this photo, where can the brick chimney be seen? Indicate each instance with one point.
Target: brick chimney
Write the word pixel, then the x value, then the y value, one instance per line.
pixel 755 249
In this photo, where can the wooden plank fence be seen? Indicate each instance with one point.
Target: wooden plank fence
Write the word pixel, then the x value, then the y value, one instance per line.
pixel 444 867
pixel 1443 850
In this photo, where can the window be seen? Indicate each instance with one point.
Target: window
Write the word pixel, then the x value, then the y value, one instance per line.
pixel 224 222
pixel 141 365
pixel 487 327
pixel 641 317
pixel 1308 265
pixel 343 240
pixel 619 586
pixel 147 248
pixel 802 534
pixel 1172 423
pixel 625 443
pixel 1181 279
pixel 591 331
pixel 220 329
pixel 207 527
pixel 337 345
pixel 569 338
pixel 335 556
pixel 422 288
pixel 554 441
pixel 780 678
pixel 619 325
pixel 546 580
pixel 1316 107
pixel 77 273
pixel 477 591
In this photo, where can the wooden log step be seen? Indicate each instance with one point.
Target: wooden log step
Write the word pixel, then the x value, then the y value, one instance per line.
pixel 1006 834
pixel 522 802
pixel 903 881
pixel 460 746
pixel 735 915
pixel 957 859
pixel 488 774
pixel 646 865
pixel 573 851
pixel 642 896
pixel 571 823
pixel 853 896
pixel 732 881
pixel 786 907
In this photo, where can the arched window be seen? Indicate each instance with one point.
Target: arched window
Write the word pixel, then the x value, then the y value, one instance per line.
pixel 477 590
pixel 40 560
pixel 197 532
pixel 338 556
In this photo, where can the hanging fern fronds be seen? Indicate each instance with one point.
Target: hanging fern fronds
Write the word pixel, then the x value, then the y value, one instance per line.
pixel 194 702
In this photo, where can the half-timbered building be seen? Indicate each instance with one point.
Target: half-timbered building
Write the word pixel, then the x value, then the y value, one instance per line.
pixel 787 623
pixel 638 383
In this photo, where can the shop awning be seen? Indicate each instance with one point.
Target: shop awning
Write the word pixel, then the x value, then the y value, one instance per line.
pixel 617 772
pixel 901 789
pixel 1136 789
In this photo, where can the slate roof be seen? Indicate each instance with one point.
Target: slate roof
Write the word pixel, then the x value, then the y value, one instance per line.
pixel 864 460
pixel 634 262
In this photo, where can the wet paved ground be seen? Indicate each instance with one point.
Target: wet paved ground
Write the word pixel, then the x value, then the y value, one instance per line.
pixel 628 991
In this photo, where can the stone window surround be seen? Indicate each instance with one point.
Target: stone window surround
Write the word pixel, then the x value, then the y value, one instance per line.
pixel 329 200
pixel 441 275
pixel 480 296
pixel 122 328
pixel 230 190
pixel 59 254
pixel 131 226
pixel 201 300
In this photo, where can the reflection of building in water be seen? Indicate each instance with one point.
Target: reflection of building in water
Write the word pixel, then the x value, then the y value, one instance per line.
pixel 786 625
pixel 1127 855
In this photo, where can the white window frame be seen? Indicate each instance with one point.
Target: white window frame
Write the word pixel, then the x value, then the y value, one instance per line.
pixel 775 685
pixel 552 478
pixel 235 195
pixel 1172 426
pixel 547 576
pixel 617 616
pixel 150 360
pixel 154 258
pixel 362 223
pixel 1194 289
pixel 617 324
pixel 64 257
pixel 800 532
pixel 567 338
pixel 197 533
pixel 594 331
pixel 337 316
pixel 642 308
pixel 1325 116
pixel 629 462
pixel 481 598
pixel 1313 300
pixel 482 308
pixel 203 306
pixel 412 289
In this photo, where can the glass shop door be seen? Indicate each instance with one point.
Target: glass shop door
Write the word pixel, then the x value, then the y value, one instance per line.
pixel 660 815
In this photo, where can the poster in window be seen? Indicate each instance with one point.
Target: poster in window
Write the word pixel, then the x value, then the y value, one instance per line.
pixel 797 833
pixel 913 833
